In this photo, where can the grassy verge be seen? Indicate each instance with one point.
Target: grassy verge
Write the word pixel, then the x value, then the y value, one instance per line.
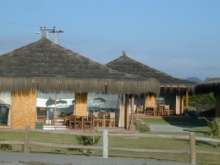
pixel 127 142
pixel 177 121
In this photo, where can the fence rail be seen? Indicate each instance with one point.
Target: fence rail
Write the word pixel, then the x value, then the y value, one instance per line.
pixel 105 148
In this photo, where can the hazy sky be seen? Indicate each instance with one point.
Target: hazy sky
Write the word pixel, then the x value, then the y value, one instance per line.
pixel 180 37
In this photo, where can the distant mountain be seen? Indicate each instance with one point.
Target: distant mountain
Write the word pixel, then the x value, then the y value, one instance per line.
pixel 194 79
pixel 213 79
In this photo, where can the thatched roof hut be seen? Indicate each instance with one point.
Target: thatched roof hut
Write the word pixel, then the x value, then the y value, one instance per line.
pixel 46 66
pixel 210 85
pixel 128 65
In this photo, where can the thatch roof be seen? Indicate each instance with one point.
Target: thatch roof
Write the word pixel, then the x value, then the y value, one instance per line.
pixel 210 85
pixel 128 65
pixel 49 67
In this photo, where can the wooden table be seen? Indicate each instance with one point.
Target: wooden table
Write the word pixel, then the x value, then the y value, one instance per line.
pixel 103 122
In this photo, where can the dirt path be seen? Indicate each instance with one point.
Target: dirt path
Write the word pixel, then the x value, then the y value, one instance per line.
pixel 49 159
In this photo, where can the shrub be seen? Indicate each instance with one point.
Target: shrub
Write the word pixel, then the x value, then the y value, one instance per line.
pixel 214 128
pixel 141 126
pixel 5 147
pixel 191 112
pixel 190 109
pixel 87 140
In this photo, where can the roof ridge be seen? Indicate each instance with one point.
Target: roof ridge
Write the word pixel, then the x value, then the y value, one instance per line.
pixel 123 59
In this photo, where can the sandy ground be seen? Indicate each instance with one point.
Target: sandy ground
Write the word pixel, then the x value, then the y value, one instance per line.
pixel 7 158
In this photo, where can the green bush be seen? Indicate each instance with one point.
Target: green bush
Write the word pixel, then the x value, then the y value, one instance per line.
pixel 200 102
pixel 214 128
pixel 5 147
pixel 141 126
pixel 87 140
pixel 190 109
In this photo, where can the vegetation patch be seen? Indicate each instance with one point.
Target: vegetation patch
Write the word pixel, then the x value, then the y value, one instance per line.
pixel 87 141
pixel 5 147
pixel 202 102
pixel 141 126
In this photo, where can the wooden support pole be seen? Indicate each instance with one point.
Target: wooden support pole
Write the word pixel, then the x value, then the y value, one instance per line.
pixel 192 148
pixel 105 147
pixel 126 110
pixel 182 104
pixel 121 122
pixel 178 103
pixel 27 140
pixel 187 99
pixel 131 115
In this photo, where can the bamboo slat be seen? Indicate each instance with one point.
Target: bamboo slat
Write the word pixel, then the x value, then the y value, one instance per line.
pixel 81 108
pixel 23 109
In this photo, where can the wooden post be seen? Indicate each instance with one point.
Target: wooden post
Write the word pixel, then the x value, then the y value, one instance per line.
pixel 26 140
pixel 178 102
pixel 121 122
pixel 187 99
pixel 126 111
pixel 104 143
pixel 182 104
pixel 131 121
pixel 192 148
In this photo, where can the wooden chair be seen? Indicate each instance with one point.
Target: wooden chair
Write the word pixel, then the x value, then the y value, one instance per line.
pixel 88 121
pixel 76 122
pixel 161 110
pixel 151 111
pixel 166 110
pixel 67 120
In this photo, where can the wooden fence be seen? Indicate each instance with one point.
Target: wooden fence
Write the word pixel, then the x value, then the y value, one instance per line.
pixel 26 143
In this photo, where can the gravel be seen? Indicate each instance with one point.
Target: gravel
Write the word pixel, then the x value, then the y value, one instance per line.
pixel 7 158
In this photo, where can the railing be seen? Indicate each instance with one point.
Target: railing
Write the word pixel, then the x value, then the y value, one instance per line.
pixel 105 147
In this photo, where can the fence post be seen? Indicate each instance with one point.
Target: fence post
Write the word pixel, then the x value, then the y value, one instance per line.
pixel 105 143
pixel 192 148
pixel 26 140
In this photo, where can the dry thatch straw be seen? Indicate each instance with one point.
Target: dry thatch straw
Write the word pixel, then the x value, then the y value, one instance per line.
pixel 128 65
pixel 46 66
pixel 53 84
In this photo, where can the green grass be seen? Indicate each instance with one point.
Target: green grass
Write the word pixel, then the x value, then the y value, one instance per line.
pixel 155 121
pixel 177 121
pixel 199 126
pixel 127 142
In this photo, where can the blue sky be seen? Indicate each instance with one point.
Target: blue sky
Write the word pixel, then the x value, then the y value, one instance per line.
pixel 180 37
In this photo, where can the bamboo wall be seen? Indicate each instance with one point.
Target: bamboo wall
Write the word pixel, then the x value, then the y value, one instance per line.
pixel 81 107
pixel 150 102
pixel 23 109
